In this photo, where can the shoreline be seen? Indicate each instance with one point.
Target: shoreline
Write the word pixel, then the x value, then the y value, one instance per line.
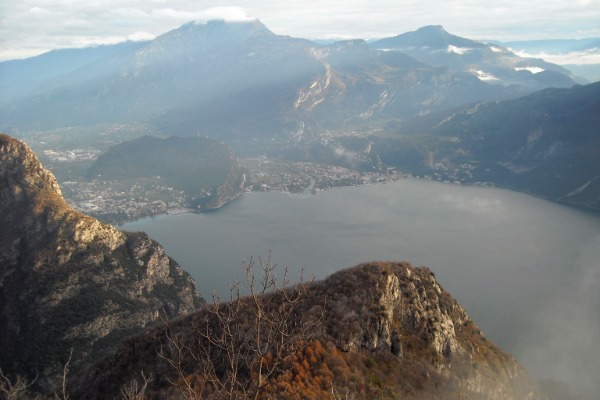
pixel 315 191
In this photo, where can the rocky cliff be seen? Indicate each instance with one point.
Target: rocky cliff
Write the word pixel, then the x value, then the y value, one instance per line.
pixel 396 310
pixel 67 281
pixel 232 186
pixel 387 331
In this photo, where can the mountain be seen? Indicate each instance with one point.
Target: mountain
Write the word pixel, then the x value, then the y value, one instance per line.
pixel 21 77
pixel 546 144
pixel 578 55
pixel 243 83
pixel 206 170
pixel 69 283
pixel 385 330
pixel 200 70
pixel 491 63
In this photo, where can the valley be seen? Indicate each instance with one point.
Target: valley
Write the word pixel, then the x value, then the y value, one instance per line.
pixel 238 141
pixel 122 200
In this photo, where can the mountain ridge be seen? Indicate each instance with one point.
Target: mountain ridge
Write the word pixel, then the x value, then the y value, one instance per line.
pixel 193 77
pixel 491 63
pixel 69 282
pixel 545 145
pixel 378 317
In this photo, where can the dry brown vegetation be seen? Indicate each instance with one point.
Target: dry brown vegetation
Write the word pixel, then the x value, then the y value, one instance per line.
pixel 377 337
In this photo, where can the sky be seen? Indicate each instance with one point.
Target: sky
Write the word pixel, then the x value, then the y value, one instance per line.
pixel 31 27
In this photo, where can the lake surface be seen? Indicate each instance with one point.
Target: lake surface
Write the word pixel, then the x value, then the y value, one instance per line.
pixel 526 270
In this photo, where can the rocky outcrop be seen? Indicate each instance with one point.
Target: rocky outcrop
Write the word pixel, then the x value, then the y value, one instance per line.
pixel 388 330
pixel 67 281
pixel 232 187
pixel 395 309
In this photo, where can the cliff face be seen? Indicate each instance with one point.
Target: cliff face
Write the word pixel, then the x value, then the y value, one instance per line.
pixel 398 310
pixel 387 331
pixel 231 188
pixel 69 282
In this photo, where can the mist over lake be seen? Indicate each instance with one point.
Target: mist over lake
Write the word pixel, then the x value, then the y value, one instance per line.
pixel 526 270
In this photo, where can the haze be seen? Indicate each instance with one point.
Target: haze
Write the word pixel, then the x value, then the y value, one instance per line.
pixel 29 27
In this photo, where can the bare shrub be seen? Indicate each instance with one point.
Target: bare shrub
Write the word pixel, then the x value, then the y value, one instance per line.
pixel 136 390
pixel 16 388
pixel 236 349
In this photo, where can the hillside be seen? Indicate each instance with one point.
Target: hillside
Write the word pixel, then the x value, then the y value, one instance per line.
pixel 206 170
pixel 241 82
pixel 68 282
pixel 546 144
pixel 385 330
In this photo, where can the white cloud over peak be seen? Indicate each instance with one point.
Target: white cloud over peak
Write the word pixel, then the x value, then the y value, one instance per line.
pixel 231 14
pixel 29 27
pixel 140 36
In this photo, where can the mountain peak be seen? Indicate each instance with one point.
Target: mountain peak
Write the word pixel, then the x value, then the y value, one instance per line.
pixel 224 27
pixel 25 183
pixel 432 28
pixel 69 282
pixel 430 36
pixel 223 21
pixel 211 34
pixel 388 316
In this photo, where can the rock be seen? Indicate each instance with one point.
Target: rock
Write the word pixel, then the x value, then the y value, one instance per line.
pixel 67 281
pixel 388 330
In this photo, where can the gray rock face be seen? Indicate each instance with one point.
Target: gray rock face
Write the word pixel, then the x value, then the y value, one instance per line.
pixel 389 325
pixel 69 282
pixel 394 309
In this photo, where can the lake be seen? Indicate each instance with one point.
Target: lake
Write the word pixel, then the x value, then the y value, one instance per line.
pixel 526 270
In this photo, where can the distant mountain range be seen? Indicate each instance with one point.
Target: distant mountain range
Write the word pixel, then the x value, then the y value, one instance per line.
pixel 241 81
pixel 345 103
pixel 580 56
pixel 489 62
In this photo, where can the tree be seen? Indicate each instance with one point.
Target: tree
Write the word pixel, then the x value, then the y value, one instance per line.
pixel 236 349
pixel 135 390
pixel 14 389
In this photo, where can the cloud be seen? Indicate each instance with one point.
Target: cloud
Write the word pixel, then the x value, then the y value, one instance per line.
pixel 232 14
pixel 484 76
pixel 533 70
pixel 140 36
pixel 458 50
pixel 223 13
pixel 586 57
pixel 29 26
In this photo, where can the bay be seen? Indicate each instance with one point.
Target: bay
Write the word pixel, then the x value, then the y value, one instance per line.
pixel 527 270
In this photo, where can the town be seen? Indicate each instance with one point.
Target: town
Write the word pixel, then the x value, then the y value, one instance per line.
pixel 117 202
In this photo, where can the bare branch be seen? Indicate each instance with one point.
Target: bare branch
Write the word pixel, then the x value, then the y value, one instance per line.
pixel 135 390
pixel 14 390
pixel 63 394
pixel 239 348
